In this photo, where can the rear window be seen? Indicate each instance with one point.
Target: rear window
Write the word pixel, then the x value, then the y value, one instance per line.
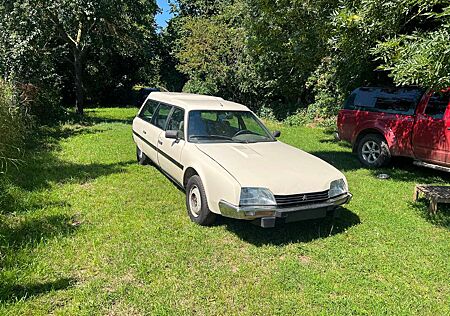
pixel 389 100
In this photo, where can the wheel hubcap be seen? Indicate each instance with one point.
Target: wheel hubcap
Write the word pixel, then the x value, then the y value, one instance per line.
pixel 371 151
pixel 140 154
pixel 195 201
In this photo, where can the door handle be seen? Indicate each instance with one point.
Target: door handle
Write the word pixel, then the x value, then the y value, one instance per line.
pixel 448 128
pixel 160 142
pixel 144 132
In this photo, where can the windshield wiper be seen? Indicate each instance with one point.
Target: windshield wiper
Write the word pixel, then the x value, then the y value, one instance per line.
pixel 215 137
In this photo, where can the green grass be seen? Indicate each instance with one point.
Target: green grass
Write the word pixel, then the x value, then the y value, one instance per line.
pixel 84 230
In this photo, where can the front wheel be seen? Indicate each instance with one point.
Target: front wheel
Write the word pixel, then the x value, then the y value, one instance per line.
pixel 373 151
pixel 196 203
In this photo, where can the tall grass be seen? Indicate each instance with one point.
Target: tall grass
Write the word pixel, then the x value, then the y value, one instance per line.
pixel 14 122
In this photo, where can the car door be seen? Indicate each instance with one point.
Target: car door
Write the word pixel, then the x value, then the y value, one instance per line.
pixel 143 129
pixel 431 134
pixel 169 150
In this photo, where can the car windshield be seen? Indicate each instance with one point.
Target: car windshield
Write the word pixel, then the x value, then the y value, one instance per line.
pixel 226 126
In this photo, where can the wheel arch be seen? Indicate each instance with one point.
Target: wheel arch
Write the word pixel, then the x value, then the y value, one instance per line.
pixel 218 184
pixel 365 132
pixel 188 173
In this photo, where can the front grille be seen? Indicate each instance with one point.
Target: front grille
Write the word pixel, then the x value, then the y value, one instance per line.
pixel 299 199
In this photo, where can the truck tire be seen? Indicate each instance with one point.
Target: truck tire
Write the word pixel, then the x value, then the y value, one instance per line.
pixel 373 151
pixel 197 204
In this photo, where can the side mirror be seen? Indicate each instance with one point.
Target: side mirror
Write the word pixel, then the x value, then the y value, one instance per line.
pixel 172 134
pixel 276 134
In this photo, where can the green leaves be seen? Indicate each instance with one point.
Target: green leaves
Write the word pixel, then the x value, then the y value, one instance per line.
pixel 421 58
pixel 114 41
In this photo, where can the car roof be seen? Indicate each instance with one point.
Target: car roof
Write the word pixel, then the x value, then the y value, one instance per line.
pixel 191 101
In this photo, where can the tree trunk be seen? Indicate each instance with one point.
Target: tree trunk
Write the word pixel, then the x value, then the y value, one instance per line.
pixel 79 88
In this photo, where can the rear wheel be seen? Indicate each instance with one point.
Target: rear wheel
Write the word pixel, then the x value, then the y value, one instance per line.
pixel 196 203
pixel 373 151
pixel 141 157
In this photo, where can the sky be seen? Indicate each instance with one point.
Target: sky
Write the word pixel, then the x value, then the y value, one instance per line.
pixel 165 15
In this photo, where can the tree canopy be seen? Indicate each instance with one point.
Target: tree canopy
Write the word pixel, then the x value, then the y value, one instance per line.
pixel 78 41
pixel 290 54
pixel 279 56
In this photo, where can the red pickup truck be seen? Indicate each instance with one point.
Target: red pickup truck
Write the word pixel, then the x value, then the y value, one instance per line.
pixel 385 122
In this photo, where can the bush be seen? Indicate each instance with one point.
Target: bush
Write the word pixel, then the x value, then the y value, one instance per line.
pixel 14 124
pixel 266 113
pixel 314 115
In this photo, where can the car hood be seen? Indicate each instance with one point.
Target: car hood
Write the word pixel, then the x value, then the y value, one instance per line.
pixel 274 165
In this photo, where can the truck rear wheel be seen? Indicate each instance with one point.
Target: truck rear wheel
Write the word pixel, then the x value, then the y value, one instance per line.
pixel 373 151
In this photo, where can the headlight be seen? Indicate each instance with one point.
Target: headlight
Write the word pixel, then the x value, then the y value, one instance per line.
pixel 337 187
pixel 257 197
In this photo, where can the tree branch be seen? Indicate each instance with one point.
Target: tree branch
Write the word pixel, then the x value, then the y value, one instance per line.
pixel 54 19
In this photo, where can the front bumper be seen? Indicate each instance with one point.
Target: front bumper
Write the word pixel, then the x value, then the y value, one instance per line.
pixel 290 214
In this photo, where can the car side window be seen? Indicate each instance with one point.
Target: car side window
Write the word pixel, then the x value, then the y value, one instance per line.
pixel 160 117
pixel 176 122
pixel 148 110
pixel 437 105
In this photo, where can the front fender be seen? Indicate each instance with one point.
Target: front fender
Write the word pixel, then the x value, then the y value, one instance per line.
pixel 218 183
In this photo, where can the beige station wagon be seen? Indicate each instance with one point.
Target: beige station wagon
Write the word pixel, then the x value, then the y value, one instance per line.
pixel 229 163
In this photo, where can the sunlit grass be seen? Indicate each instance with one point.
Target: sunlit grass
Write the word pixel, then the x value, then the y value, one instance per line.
pixel 84 230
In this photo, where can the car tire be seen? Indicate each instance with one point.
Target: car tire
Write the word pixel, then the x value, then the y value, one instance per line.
pixel 373 151
pixel 197 204
pixel 141 157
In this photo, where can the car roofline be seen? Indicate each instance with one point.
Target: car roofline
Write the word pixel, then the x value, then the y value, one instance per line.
pixel 190 101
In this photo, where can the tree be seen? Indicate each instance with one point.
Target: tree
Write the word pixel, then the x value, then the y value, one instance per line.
pixel 422 57
pixel 74 29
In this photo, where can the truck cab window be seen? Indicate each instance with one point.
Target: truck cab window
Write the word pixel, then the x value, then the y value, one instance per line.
pixel 437 105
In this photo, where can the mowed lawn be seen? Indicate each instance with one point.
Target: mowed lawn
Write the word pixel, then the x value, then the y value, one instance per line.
pixel 84 230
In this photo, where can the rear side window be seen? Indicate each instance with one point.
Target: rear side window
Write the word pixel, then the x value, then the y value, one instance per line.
pixel 389 100
pixel 437 105
pixel 161 115
pixel 148 110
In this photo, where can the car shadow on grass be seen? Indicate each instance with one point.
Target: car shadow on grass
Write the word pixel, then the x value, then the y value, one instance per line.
pixel 16 292
pixel 287 233
pixel 342 160
pixel 403 169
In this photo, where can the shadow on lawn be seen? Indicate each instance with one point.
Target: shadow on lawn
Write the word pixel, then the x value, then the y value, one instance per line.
pixel 94 116
pixel 15 292
pixel 17 233
pixel 282 234
pixel 42 166
pixel 401 169
pixel 441 218
pixel 40 174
